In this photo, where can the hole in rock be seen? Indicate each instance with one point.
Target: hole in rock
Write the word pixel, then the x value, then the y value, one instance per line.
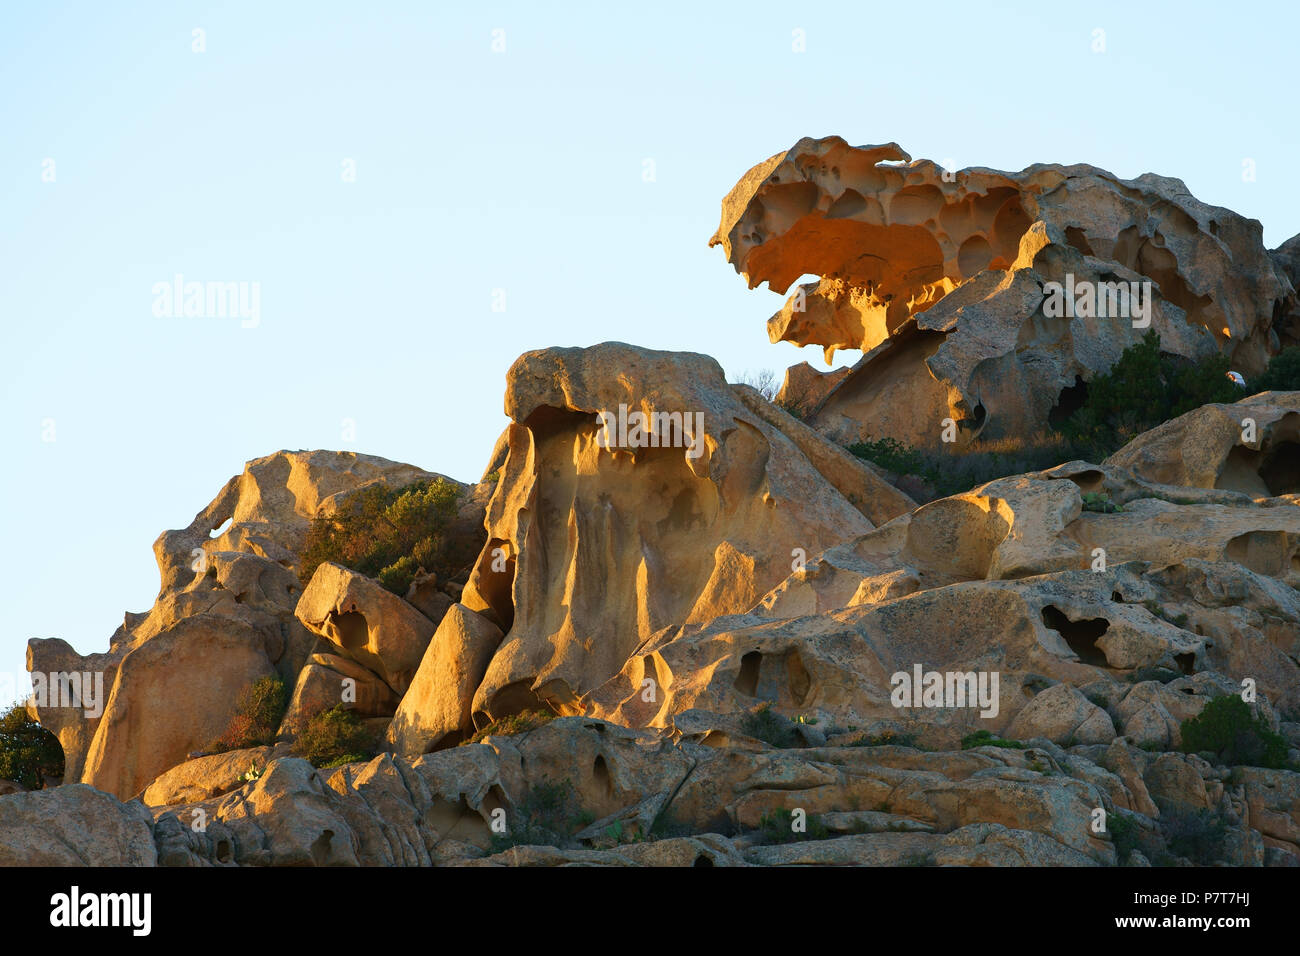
pixel 511 700
pixel 1069 401
pixel 702 860
pixel 1080 636
pixel 446 741
pixel 493 800
pixel 320 848
pixel 974 256
pixel 352 629
pixel 1089 481
pixel 600 772
pixel 1240 472
pixel 849 203
pixel 1280 470
pixel 496 584
pixel 1076 238
pixel 747 679
pixel 222 528
pixel 1117 597
pixel 453 819
pixel 1186 663
pixel 1264 552
pixel 798 676
pixel 223 851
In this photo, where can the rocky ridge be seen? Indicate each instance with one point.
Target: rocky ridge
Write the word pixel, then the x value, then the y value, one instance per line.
pixel 715 615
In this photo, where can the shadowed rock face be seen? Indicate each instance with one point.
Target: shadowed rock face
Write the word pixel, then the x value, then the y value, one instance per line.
pixel 939 278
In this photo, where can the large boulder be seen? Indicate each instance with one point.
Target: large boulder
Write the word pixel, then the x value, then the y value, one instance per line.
pixel 366 623
pixel 168 700
pixel 941 278
pixel 236 562
pixel 328 680
pixel 1251 447
pixel 594 544
pixel 205 777
pixel 1190 580
pixel 74 825
pixel 436 710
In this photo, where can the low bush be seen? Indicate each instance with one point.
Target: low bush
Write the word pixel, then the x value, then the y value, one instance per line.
pixel 777 826
pixel 258 712
pixel 983 738
pixel 1144 388
pixel 1095 501
pixel 29 754
pixel 1282 374
pixel 389 534
pixel 1227 729
pixel 949 473
pixel 1198 835
pixel 767 725
pixel 509 726
pixel 334 737
pixel 1124 833
pixel 546 815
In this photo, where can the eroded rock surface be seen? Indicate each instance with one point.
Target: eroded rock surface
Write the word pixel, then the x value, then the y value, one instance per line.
pixel 940 277
pixel 592 550
pixel 224 616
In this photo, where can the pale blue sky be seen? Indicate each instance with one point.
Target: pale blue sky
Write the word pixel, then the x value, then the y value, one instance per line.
pixel 477 171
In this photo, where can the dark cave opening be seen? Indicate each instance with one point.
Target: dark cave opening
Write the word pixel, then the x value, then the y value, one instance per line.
pixel 1081 636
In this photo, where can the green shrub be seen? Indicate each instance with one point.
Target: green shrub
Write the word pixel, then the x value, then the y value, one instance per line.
pixel 1227 729
pixel 546 815
pixel 948 473
pixel 1095 501
pixel 1198 835
pixel 1141 390
pixel 1124 834
pixel 777 826
pixel 258 712
pixel 1177 620
pixel 983 738
pixel 893 455
pixel 1282 374
pixel 509 726
pixel 389 534
pixel 334 737
pixel 29 754
pixel 770 727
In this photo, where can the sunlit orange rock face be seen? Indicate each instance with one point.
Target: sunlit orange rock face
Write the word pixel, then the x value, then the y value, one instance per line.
pixel 938 277
pixel 593 550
